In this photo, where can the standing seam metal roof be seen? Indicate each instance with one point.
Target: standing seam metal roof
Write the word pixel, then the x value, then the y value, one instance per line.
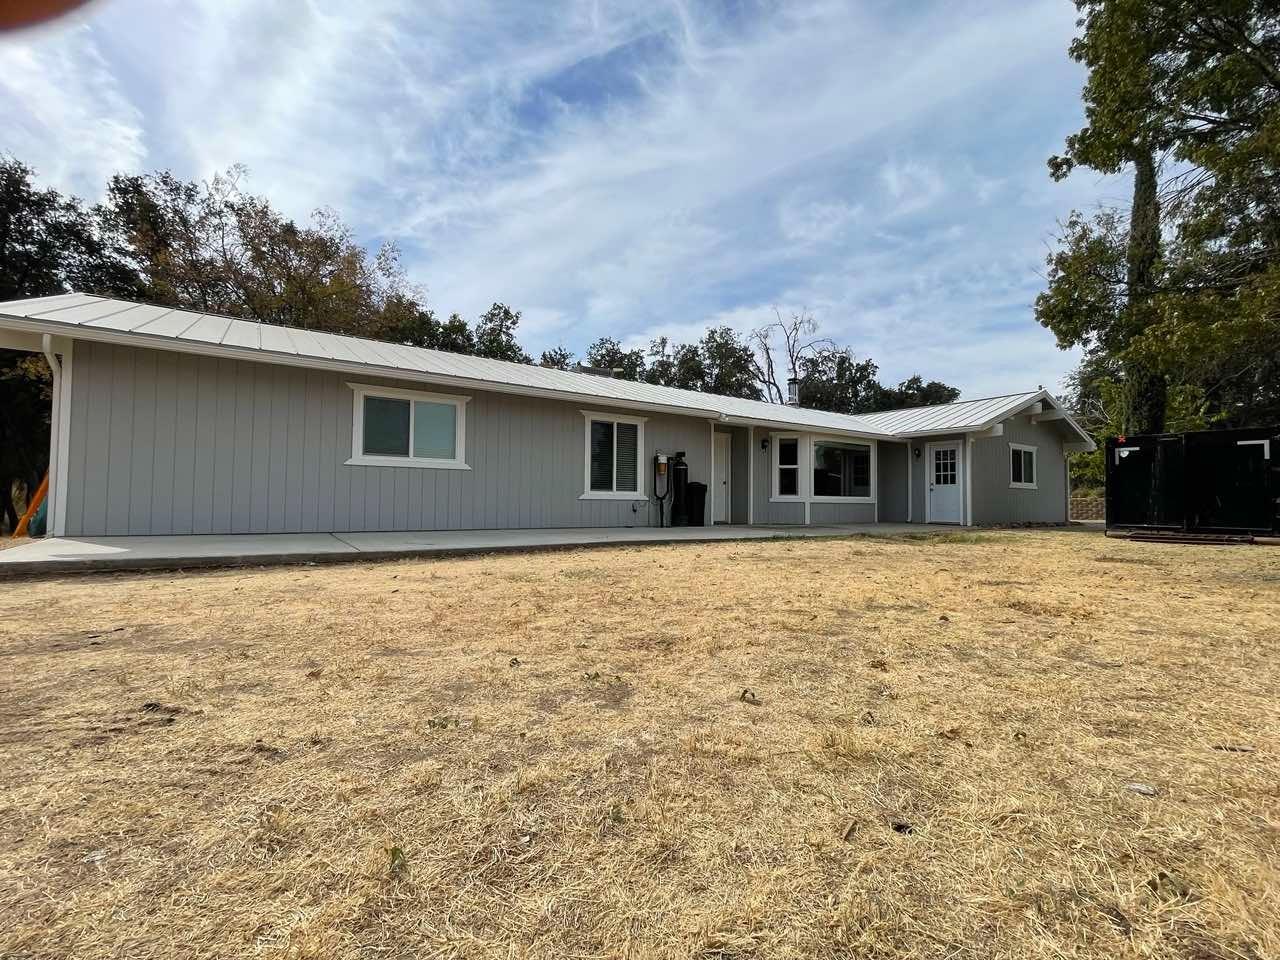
pixel 79 314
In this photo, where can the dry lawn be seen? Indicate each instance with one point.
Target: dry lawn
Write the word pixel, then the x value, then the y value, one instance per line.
pixel 848 748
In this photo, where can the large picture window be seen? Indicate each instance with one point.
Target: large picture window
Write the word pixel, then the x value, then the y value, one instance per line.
pixel 614 451
pixel 841 469
pixel 406 428
pixel 1022 466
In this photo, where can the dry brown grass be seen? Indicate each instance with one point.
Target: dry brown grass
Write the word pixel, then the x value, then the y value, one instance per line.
pixel 553 755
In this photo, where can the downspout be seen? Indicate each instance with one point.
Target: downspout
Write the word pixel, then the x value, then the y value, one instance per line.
pixel 911 494
pixel 55 418
pixel 968 480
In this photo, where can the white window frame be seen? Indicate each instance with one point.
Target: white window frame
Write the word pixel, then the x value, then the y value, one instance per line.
pixel 615 493
pixel 816 439
pixel 360 459
pixel 775 449
pixel 1035 466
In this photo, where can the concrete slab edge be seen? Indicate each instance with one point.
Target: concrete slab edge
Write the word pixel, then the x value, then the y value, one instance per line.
pixel 52 569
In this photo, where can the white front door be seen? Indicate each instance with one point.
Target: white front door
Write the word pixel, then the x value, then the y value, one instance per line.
pixel 944 478
pixel 720 480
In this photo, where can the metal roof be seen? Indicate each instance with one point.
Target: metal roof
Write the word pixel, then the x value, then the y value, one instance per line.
pixel 84 316
pixel 953 417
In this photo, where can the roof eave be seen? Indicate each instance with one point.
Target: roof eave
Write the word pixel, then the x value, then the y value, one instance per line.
pixel 262 355
pixel 792 425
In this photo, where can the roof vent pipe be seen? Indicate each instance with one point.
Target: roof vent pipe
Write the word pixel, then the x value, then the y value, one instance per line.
pixel 793 392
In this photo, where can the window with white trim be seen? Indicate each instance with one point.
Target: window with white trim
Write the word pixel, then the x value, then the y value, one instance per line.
pixel 614 451
pixel 786 466
pixel 841 470
pixel 1022 466
pixel 407 428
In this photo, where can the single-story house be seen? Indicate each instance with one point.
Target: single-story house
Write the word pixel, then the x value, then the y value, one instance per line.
pixel 180 422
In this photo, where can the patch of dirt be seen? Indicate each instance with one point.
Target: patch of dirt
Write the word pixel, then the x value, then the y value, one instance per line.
pixel 884 748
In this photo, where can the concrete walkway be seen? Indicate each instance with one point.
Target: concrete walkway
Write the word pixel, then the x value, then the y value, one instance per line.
pixel 104 554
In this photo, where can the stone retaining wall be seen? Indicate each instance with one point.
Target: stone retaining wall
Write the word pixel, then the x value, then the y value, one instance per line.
pixel 1088 508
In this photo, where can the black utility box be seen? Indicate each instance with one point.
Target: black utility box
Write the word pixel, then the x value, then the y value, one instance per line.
pixel 697 503
pixel 1216 481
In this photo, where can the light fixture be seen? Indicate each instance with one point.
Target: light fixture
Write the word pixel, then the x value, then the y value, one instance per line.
pixel 764 443
pixel 917 453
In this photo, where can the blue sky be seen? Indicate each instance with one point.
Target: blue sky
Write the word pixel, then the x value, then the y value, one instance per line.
pixel 631 169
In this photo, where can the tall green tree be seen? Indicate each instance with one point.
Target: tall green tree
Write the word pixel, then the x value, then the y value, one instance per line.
pixel 1184 290
pixel 49 244
pixel 728 365
pixel 608 354
pixel 557 358
pixel 675 365
pixel 495 335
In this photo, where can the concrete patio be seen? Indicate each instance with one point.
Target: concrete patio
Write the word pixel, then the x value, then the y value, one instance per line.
pixel 58 555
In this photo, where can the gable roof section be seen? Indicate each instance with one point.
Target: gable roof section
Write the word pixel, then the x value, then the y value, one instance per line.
pixel 123 321
pixel 967 416
pixel 111 320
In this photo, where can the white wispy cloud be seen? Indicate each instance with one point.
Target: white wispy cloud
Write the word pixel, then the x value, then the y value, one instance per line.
pixel 616 168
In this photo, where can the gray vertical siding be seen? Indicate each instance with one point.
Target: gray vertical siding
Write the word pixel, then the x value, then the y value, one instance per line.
pixel 739 480
pixel 891 482
pixel 792 511
pixel 920 473
pixel 767 512
pixel 163 442
pixel 994 501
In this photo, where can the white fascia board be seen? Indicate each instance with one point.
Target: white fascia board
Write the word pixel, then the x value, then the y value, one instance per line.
pixel 172 345
pixel 790 426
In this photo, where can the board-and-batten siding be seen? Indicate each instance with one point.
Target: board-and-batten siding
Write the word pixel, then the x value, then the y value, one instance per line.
pixel 768 511
pixel 171 443
pixel 994 501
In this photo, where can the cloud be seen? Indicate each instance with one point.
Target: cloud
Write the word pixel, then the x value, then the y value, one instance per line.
pixel 617 168
pixel 912 186
pixel 65 113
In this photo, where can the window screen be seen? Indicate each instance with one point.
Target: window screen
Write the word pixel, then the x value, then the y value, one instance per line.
pixel 434 430
pixel 386 427
pixel 628 456
pixel 841 470
pixel 601 455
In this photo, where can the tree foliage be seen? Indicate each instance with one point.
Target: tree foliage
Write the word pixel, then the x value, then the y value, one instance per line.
pixel 830 377
pixel 1186 94
pixel 495 335
pixel 216 248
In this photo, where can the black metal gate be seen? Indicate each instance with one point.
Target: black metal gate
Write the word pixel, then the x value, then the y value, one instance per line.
pixel 1221 481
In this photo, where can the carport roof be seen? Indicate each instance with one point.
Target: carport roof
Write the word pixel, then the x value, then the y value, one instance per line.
pixel 83 316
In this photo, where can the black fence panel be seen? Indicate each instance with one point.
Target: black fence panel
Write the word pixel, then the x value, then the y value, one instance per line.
pixel 1224 481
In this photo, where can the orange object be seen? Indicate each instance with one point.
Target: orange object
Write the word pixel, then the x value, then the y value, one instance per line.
pixel 32 506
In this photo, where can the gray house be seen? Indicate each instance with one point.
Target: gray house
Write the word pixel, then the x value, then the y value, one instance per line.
pixel 177 422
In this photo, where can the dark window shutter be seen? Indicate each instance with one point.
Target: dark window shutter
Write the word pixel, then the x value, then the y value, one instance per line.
pixel 628 457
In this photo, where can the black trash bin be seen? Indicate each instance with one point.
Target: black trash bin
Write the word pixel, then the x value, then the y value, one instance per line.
pixel 697 503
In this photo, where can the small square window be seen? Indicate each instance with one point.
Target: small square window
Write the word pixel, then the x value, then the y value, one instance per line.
pixel 1022 466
